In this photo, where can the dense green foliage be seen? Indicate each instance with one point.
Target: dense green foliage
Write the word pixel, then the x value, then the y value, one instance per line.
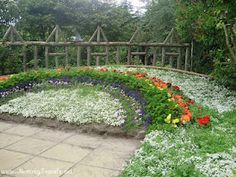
pixel 159 19
pixel 202 22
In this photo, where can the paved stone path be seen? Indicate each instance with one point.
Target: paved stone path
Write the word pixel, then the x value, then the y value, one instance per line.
pixel 27 151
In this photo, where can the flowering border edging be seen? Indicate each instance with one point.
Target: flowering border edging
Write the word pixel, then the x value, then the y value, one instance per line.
pixel 168 69
pixel 153 89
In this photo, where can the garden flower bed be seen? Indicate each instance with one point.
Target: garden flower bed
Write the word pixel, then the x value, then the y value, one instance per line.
pixel 183 153
pixel 139 88
pixel 171 107
pixel 190 133
pixel 91 107
pixel 69 105
pixel 201 89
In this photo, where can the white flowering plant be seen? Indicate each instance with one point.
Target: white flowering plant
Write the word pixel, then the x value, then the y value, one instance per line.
pixel 185 152
pixel 203 90
pixel 204 149
pixel 75 103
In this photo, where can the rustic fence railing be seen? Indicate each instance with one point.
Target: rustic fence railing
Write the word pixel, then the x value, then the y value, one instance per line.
pixel 168 51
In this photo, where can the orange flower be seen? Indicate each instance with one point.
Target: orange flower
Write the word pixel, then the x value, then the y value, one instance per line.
pixel 140 75
pixel 185 119
pixel 4 78
pixel 182 104
pixel 189 114
pixel 103 69
pixel 178 98
pixel 60 69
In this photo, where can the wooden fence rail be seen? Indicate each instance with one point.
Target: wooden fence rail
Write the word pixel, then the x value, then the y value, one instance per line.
pixel 170 50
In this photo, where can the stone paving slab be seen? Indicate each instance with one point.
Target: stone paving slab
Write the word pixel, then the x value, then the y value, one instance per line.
pixel 6 139
pixel 52 135
pixel 66 152
pixel 30 146
pixel 106 158
pixel 23 130
pixel 91 171
pixel 5 126
pixel 10 160
pixel 42 167
pixel 85 140
pixel 28 151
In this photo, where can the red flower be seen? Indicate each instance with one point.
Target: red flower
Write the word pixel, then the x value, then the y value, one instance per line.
pixel 168 84
pixel 103 69
pixel 203 120
pixel 140 75
pixel 176 88
pixel 191 101
pixel 182 104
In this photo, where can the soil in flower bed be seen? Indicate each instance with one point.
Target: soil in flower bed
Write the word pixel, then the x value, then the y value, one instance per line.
pixel 101 129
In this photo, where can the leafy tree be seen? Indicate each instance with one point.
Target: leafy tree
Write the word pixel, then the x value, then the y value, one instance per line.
pixel 202 21
pixel 9 15
pixel 159 19
pixel 38 17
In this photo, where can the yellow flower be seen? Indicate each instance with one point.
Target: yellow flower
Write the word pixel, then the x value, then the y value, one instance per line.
pixel 168 119
pixel 175 121
pixel 174 125
pixel 152 86
pixel 176 106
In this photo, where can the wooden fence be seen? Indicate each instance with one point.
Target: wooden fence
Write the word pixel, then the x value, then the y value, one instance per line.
pixel 167 52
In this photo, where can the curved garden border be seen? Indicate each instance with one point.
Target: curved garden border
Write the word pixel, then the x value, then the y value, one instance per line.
pixel 168 69
pixel 164 103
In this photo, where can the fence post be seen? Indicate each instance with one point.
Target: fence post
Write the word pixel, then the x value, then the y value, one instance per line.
pixel 145 57
pixel 179 59
pixel 191 57
pixel 162 56
pixel 129 55
pixel 66 56
pixel 24 58
pixel 46 57
pixel 186 58
pixel 35 57
pixel 78 55
pixel 118 55
pixel 107 55
pixel 154 51
pixel 88 55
